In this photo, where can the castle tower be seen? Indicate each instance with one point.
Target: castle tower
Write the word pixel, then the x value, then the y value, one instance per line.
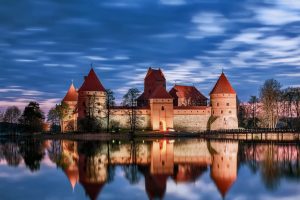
pixel 224 165
pixel 223 103
pixel 161 106
pixel 154 78
pixel 69 123
pixel 91 97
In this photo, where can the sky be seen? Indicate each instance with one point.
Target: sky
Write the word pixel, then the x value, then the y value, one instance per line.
pixel 45 44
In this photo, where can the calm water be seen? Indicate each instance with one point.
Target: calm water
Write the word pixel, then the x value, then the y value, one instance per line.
pixel 160 169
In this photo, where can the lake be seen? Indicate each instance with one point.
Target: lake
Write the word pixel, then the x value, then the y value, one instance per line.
pixel 148 169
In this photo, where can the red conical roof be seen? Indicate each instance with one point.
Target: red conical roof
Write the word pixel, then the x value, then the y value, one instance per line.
pixel 72 94
pixel 223 86
pixel 91 83
pixel 160 93
pixel 223 184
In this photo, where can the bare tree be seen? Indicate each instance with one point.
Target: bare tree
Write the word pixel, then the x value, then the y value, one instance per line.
pixel 110 102
pixel 1 116
pixel 270 98
pixel 253 101
pixel 129 100
pixel 57 114
pixel 12 115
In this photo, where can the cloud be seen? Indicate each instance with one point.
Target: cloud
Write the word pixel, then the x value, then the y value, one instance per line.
pixel 25 60
pixel 207 24
pixel 96 58
pixel 173 2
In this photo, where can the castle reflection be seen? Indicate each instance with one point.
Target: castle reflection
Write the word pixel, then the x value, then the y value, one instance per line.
pixel 183 161
pixel 92 164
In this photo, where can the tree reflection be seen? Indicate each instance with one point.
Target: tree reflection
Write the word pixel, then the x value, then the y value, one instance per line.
pixel 12 154
pixel 132 173
pixel 32 152
pixel 270 171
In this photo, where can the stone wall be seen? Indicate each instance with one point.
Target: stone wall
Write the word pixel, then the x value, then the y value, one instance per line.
pixel 193 119
pixel 190 122
pixel 121 117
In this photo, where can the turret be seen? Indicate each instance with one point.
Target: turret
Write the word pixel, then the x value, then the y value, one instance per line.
pixel 223 103
pixel 69 123
pixel 91 97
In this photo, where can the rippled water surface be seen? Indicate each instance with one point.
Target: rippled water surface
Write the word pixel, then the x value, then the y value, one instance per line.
pixel 159 169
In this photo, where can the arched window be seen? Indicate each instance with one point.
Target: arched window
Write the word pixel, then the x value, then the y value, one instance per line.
pixel 227 104
pixel 221 111
pixel 162 108
pixel 217 104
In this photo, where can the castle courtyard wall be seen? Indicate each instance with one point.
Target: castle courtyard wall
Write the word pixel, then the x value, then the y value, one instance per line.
pixel 121 117
pixel 193 119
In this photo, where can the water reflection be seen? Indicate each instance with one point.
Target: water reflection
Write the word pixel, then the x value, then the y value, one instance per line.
pixel 93 164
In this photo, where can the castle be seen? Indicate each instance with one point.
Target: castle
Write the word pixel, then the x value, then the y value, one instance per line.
pixel 183 108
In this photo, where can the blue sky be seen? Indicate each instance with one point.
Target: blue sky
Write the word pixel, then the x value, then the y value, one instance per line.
pixel 45 44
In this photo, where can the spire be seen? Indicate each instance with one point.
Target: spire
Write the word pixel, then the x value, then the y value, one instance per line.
pixel 72 94
pixel 223 86
pixel 92 83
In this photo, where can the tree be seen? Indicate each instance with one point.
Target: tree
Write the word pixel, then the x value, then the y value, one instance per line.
pixel 270 96
pixel 92 122
pixel 253 101
pixel 110 102
pixel 12 115
pixel 57 114
pixel 32 117
pixel 130 101
pixel 1 116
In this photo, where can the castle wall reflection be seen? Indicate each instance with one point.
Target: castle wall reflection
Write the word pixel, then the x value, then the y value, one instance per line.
pixel 93 164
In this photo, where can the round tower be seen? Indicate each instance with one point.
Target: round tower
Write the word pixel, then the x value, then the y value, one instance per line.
pixel 223 103
pixel 91 97
pixel 69 123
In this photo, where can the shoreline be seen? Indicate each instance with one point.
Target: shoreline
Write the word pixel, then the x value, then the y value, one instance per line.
pixel 221 135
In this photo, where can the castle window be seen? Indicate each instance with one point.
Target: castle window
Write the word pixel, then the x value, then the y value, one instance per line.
pixel 213 112
pixel 227 104
pixel 162 108
pixel 221 111
pixel 229 111
pixel 217 104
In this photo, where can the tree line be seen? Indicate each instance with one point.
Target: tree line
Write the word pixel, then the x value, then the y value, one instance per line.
pixel 31 119
pixel 275 107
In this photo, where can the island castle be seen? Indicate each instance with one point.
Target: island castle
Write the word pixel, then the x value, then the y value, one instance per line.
pixel 183 108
